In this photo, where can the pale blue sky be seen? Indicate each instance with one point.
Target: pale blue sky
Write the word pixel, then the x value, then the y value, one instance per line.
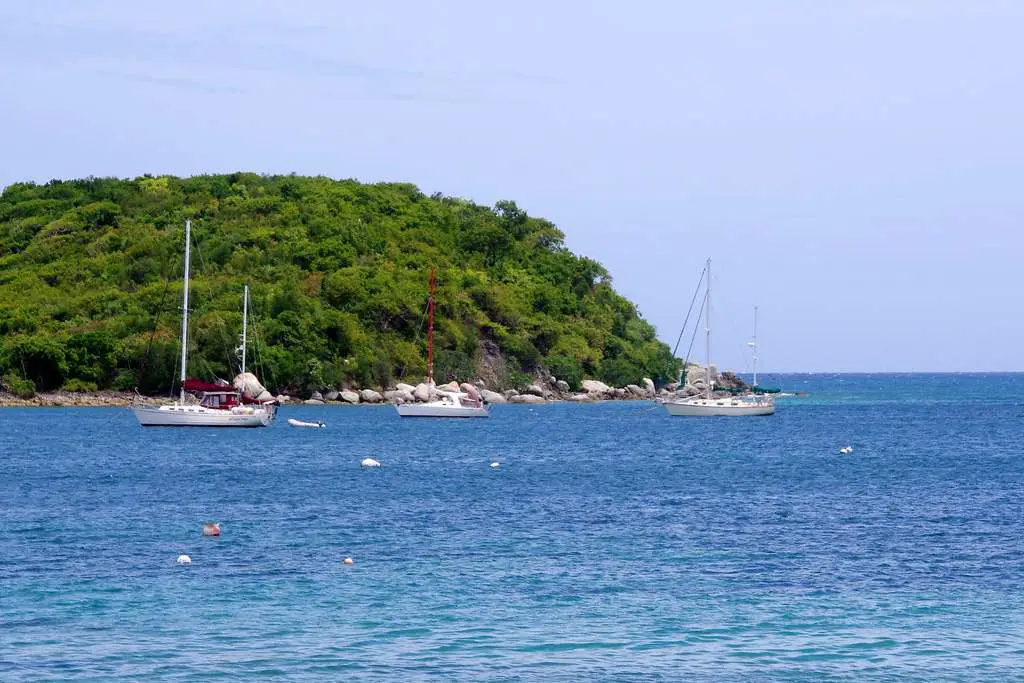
pixel 854 168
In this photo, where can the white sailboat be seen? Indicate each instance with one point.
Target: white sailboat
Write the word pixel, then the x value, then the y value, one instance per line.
pixel 442 403
pixel 219 405
pixel 707 404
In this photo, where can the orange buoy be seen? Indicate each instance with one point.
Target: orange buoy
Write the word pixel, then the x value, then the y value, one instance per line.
pixel 211 529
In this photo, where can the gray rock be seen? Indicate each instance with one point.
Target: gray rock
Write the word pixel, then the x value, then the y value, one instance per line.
pixel 509 393
pixel 316 396
pixel 451 386
pixel 398 396
pixel 313 402
pixel 369 396
pixel 562 386
pixel 583 398
pixel 421 392
pixel 492 396
pixel 634 389
pixel 592 386
pixel 535 390
pixel 526 398
pixel 349 396
pixel 283 398
pixel 619 392
pixel 648 385
pixel 331 395
pixel 401 386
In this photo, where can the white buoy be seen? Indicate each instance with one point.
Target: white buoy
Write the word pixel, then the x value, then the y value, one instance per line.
pixel 846 449
pixel 184 559
pixel 348 560
pixel 369 462
pixel 495 464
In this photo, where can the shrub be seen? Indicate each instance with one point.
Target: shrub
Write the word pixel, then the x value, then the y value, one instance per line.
pixel 79 386
pixel 23 388
pixel 566 368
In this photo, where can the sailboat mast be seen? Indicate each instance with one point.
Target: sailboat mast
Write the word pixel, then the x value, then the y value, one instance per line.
pixel 184 313
pixel 430 328
pixel 707 328
pixel 755 346
pixel 245 322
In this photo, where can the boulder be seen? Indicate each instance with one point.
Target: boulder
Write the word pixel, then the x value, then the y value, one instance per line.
pixel 562 386
pixel 451 386
pixel 401 386
pixel 492 396
pixel 648 385
pixel 247 383
pixel 534 389
pixel 283 398
pixel 313 402
pixel 421 392
pixel 509 393
pixel 526 398
pixel 398 396
pixel 583 398
pixel 331 395
pixel 370 396
pixel 618 392
pixel 316 396
pixel 592 386
pixel 635 390
pixel 349 396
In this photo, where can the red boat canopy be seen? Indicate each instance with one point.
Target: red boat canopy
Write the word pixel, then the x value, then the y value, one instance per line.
pixel 198 386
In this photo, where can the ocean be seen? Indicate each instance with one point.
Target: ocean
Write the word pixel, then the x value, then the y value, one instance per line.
pixel 613 542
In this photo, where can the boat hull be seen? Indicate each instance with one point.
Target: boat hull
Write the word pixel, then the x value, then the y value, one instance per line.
pixel 197 416
pixel 439 410
pixel 718 407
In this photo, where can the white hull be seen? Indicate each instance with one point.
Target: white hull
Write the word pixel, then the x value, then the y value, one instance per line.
pixel 198 416
pixel 440 409
pixel 299 423
pixel 718 406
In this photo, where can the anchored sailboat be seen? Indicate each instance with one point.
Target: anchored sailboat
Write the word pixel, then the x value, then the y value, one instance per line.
pixel 441 403
pixel 707 403
pixel 219 405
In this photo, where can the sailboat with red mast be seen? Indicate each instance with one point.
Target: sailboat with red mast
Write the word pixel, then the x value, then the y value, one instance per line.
pixel 441 403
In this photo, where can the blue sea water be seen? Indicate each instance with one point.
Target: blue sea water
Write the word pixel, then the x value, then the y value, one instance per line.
pixel 613 543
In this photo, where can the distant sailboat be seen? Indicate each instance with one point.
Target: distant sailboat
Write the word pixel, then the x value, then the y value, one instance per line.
pixel 219 405
pixel 441 403
pixel 755 387
pixel 707 404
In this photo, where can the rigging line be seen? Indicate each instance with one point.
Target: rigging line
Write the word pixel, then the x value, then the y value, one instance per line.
pixel 686 321
pixel 694 336
pixel 156 321
pixel 225 338
pixel 419 330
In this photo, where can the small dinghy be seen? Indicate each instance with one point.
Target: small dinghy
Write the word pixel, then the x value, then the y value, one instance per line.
pixel 299 423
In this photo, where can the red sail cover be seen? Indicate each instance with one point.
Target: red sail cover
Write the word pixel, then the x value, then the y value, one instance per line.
pixel 198 385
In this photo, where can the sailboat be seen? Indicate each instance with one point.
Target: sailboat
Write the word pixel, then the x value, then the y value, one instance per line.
pixel 707 403
pixel 220 405
pixel 756 388
pixel 441 403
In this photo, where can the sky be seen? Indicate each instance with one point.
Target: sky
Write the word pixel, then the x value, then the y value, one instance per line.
pixel 852 167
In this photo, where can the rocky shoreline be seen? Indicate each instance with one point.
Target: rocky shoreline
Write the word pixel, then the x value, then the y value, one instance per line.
pixel 546 390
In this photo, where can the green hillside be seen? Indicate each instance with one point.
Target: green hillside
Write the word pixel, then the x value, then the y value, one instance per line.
pixel 90 286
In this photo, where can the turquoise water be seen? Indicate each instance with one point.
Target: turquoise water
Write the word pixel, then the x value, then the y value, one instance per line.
pixel 614 542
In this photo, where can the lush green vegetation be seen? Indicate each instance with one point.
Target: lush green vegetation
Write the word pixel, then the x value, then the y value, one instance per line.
pixel 90 287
